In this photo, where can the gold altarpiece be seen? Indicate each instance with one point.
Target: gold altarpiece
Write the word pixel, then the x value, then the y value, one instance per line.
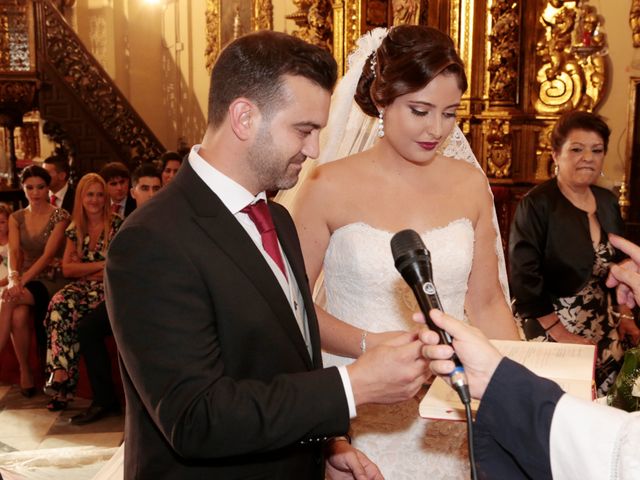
pixel 527 61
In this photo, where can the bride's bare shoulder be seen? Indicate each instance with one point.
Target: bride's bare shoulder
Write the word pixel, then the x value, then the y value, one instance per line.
pixel 342 171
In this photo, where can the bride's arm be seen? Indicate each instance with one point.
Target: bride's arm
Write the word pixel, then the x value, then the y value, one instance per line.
pixel 485 304
pixel 314 208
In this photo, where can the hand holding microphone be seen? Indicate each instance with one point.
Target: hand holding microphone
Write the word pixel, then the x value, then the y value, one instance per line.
pixel 413 261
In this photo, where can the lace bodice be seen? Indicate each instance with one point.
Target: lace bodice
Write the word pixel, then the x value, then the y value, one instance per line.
pixel 363 288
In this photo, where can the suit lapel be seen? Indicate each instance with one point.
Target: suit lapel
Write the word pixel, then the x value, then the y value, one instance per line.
pixel 223 228
pixel 291 245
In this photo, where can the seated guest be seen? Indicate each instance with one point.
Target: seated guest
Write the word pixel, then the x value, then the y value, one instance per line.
pixel 36 240
pixel 117 177
pixel 94 327
pixel 526 426
pixel 171 162
pixel 61 193
pixel 88 237
pixel 559 253
pixel 145 183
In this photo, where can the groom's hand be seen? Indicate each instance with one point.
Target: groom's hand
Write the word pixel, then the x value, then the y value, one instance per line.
pixel 345 462
pixel 389 373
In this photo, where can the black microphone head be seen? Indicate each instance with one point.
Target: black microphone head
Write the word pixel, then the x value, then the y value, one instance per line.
pixel 406 241
pixel 410 256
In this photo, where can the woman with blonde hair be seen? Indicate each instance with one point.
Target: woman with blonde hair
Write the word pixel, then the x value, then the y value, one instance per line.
pixel 88 237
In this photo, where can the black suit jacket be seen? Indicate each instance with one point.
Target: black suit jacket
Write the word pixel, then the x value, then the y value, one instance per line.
pixel 69 199
pixel 130 205
pixel 513 424
pixel 218 380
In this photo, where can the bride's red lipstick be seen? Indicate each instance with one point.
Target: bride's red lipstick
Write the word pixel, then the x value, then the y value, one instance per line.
pixel 428 145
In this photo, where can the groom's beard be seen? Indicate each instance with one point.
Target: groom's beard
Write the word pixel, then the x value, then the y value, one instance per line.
pixel 270 165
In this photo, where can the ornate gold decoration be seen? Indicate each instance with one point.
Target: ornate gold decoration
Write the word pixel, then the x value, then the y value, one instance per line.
pixel 88 81
pixel 405 12
pixel 213 32
pixel 544 156
pixel 634 22
pixel 17 96
pixel 503 51
pixel 573 72
pixel 338 34
pixel 16 36
pixel 353 29
pixel 623 200
pixel 497 144
pixel 261 19
pixel 314 19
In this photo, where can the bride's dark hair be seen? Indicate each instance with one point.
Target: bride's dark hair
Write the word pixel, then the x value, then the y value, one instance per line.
pixel 409 57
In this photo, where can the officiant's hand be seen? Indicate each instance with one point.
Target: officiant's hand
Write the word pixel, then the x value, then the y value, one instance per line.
pixel 389 373
pixel 345 462
pixel 626 275
pixel 478 356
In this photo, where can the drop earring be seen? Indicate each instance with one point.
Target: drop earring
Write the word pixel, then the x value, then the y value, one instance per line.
pixel 381 123
pixel 555 169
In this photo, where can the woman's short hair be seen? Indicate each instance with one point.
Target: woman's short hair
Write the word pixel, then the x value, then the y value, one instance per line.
pixel 578 120
pixel 409 57
pixel 35 171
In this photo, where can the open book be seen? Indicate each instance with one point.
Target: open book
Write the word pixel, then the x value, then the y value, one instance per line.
pixel 571 366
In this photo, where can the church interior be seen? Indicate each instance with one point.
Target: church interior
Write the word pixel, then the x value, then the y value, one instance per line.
pixel 126 80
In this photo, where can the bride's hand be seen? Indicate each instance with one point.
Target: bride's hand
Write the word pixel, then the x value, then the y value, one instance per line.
pixel 375 339
pixel 561 335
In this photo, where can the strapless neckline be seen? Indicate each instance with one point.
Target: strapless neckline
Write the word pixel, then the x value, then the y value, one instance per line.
pixel 347 226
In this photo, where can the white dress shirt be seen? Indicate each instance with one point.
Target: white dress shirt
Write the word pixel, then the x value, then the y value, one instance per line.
pixel 235 197
pixel 60 194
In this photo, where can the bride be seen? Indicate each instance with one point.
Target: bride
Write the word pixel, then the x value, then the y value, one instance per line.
pixel 408 83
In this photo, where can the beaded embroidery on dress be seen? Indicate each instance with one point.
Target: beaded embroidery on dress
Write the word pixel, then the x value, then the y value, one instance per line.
pixel 362 286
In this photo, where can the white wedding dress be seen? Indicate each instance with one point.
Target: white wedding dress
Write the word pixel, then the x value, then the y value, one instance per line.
pixel 362 286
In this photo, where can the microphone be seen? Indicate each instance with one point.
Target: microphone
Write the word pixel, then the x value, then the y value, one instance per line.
pixel 413 261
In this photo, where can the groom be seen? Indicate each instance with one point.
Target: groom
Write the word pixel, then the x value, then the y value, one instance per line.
pixel 210 305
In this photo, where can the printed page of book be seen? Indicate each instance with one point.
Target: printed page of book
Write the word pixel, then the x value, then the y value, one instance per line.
pixel 569 365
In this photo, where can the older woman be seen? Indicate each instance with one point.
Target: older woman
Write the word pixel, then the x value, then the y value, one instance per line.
pixel 88 236
pixel 559 250
pixel 36 238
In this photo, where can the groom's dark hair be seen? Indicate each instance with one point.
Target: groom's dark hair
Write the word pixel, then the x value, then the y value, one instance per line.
pixel 253 66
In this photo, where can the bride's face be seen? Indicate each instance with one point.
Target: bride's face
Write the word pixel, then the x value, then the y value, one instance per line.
pixel 417 123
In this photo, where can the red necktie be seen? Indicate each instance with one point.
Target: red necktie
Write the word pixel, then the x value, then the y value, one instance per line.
pixel 115 208
pixel 261 217
pixel 54 200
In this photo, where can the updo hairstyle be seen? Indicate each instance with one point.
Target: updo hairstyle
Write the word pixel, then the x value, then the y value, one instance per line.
pixel 409 57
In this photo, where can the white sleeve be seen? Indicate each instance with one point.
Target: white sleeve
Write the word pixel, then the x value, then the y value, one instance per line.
pixel 586 440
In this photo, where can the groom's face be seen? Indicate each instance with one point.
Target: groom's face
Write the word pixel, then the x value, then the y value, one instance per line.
pixel 290 133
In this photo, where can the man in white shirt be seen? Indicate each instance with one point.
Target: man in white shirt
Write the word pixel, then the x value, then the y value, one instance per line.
pixel 61 193
pixel 118 179
pixel 210 304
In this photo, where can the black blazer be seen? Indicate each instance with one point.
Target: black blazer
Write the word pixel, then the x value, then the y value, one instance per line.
pixel 513 424
pixel 69 199
pixel 550 249
pixel 130 205
pixel 218 380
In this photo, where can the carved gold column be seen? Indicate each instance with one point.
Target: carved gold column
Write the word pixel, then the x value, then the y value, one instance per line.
pixel 571 51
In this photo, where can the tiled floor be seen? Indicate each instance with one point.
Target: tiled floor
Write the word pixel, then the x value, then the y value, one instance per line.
pixel 27 426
